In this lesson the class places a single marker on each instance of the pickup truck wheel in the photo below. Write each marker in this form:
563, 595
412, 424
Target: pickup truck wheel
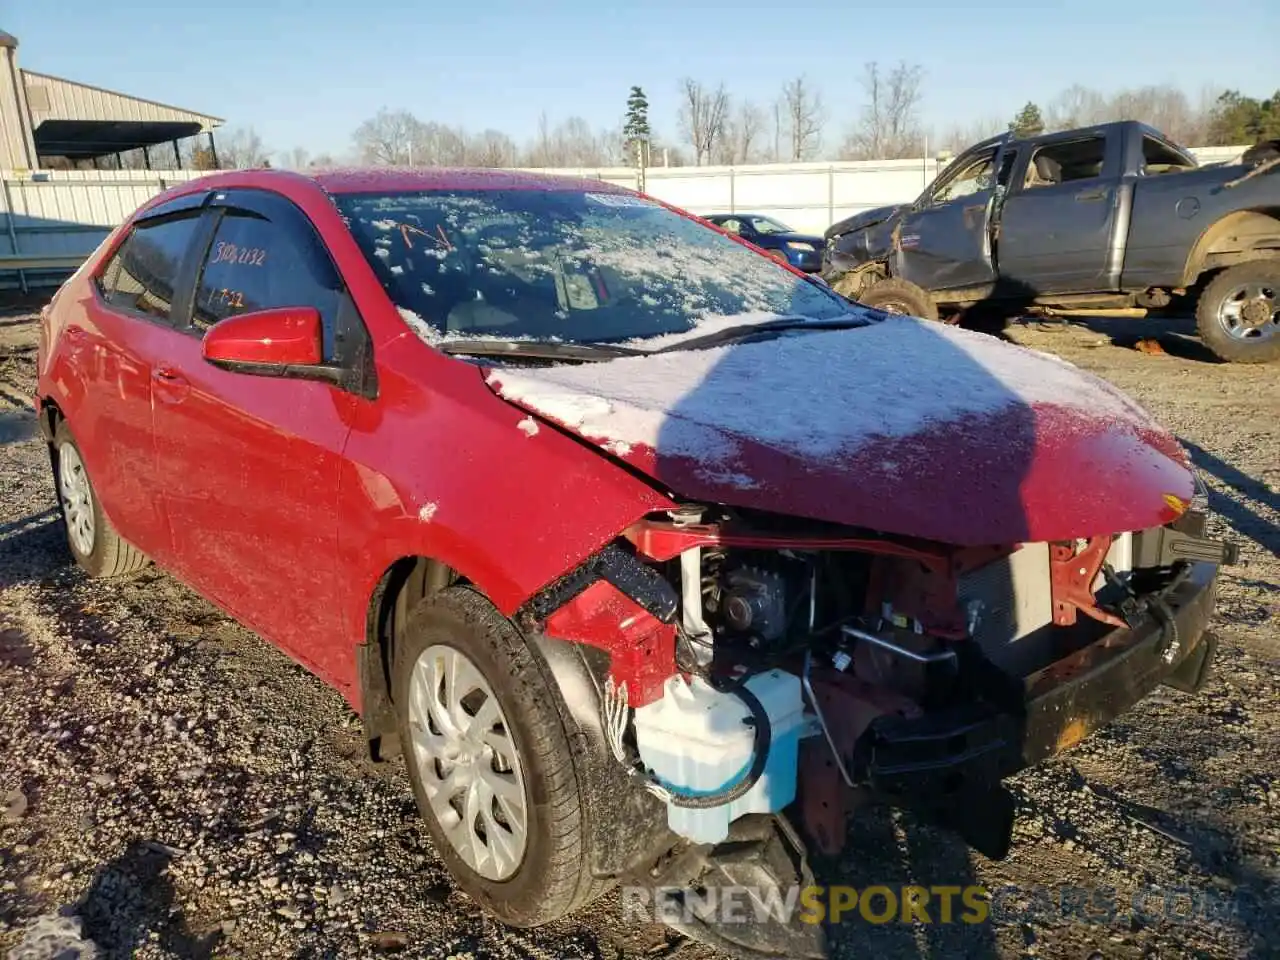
1238, 314
895, 295
480, 718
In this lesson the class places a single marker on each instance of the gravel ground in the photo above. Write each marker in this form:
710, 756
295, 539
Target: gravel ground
170, 786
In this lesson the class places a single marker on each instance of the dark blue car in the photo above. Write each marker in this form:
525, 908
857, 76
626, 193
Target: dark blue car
803, 251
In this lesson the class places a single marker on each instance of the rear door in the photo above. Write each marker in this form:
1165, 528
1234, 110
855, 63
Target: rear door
944, 241
115, 342
1058, 219
249, 465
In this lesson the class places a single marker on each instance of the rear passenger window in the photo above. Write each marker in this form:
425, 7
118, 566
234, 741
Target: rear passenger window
141, 274
1064, 162
255, 263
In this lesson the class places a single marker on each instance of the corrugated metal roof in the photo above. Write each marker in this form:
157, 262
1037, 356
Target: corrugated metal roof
56, 98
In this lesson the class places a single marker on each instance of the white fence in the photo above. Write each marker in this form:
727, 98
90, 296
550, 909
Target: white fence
67, 213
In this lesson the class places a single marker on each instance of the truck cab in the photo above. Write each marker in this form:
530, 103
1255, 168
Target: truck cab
1109, 216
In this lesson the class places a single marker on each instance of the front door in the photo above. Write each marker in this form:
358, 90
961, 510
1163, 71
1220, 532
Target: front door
1057, 222
249, 465
944, 242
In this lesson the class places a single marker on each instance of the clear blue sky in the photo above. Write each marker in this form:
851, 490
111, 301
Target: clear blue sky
306, 72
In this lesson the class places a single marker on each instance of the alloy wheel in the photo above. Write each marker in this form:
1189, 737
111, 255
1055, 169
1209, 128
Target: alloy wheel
77, 499
468, 761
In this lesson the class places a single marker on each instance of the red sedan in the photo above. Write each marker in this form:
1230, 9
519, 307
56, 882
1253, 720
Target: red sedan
628, 538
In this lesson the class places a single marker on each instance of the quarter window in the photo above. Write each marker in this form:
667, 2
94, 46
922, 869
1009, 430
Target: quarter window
141, 275
255, 263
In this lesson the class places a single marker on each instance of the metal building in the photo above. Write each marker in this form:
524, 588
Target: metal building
42, 117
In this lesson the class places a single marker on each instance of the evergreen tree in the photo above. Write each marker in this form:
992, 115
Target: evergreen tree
637, 122
1028, 122
635, 130
1239, 119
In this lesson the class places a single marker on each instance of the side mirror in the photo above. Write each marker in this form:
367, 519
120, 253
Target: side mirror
267, 342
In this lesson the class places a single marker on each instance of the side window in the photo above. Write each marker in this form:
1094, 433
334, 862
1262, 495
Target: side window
1159, 158
141, 274
732, 226
973, 177
255, 263
1064, 162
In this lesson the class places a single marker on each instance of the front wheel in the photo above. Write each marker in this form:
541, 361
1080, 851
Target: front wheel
479, 716
1238, 313
895, 295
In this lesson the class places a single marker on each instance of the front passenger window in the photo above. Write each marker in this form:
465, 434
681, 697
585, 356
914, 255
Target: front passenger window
255, 263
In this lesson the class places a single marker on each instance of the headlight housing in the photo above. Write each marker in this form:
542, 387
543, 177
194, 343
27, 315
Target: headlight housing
800, 245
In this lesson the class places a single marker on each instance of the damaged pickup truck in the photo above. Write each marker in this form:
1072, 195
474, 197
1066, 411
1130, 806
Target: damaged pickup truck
635, 544
1114, 216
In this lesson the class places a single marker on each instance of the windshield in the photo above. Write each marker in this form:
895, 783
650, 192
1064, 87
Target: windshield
765, 225
565, 265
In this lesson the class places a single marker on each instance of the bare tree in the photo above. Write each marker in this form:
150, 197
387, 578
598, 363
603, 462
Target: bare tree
387, 138
240, 149
959, 137
493, 148
743, 137
572, 143
889, 127
299, 158
1077, 106
703, 116
804, 116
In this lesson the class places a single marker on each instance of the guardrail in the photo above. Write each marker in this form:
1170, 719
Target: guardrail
41, 262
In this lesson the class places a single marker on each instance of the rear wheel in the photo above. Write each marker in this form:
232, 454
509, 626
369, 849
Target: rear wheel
96, 546
895, 295
1238, 313
489, 760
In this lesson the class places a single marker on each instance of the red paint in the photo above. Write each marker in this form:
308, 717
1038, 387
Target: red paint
282, 336
662, 540
1023, 475
642, 647
286, 500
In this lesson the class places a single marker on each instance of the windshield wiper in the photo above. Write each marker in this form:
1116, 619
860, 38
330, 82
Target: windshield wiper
747, 331
537, 349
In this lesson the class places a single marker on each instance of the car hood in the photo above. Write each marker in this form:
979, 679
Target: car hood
860, 221
904, 426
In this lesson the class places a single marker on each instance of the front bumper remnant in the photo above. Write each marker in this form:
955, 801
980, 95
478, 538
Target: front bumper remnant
933, 758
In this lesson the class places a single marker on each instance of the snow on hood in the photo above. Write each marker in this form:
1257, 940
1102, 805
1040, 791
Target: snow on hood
857, 426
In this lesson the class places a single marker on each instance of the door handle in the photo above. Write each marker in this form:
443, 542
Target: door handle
1091, 195
171, 386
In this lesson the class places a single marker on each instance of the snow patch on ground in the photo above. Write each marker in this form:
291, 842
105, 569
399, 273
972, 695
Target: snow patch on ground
811, 394
528, 426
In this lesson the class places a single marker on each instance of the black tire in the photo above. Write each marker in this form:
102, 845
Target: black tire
108, 555
553, 876
896, 295
1215, 328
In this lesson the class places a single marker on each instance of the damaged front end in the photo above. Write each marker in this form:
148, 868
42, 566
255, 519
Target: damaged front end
754, 679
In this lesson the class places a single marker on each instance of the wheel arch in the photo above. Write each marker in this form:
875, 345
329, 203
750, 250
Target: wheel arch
1234, 238
405, 583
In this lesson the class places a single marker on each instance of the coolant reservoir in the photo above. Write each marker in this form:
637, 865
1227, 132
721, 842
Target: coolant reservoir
696, 742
